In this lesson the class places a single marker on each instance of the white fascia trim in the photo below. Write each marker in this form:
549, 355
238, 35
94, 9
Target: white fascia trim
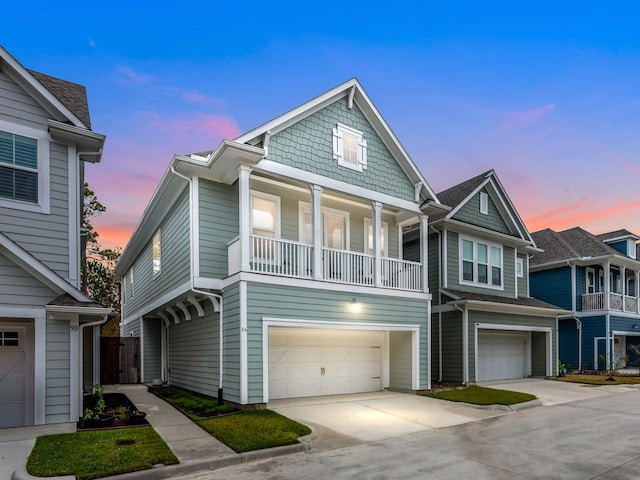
484, 306
295, 323
518, 328
159, 301
625, 333
244, 361
78, 309
269, 166
321, 285
208, 283
28, 79
39, 270
74, 365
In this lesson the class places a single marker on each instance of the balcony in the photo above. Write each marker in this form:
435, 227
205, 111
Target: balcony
285, 258
617, 301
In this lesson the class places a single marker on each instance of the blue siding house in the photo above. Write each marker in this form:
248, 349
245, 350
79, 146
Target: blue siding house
596, 278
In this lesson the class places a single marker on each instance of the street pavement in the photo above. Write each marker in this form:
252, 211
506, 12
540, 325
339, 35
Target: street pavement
594, 438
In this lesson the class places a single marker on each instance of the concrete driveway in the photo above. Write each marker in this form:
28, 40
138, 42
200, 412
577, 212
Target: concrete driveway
553, 392
343, 420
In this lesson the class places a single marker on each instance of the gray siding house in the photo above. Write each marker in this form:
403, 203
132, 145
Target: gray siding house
485, 325
273, 266
45, 321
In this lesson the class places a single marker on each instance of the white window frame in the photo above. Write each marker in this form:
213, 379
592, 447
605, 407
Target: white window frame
368, 224
520, 267
130, 284
338, 147
305, 207
19, 339
156, 264
44, 201
484, 203
490, 246
268, 197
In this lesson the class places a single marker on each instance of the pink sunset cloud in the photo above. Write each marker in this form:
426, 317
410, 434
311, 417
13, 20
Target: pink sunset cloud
193, 96
133, 76
515, 120
200, 129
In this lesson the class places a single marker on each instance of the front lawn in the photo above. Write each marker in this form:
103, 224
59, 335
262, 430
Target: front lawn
599, 379
255, 430
481, 396
96, 454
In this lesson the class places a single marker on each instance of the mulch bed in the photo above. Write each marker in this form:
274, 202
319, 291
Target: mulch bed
113, 402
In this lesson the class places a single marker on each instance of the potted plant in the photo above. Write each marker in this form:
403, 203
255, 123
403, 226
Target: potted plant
136, 417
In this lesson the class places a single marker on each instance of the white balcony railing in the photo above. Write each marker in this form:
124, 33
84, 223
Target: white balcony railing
617, 301
281, 257
275, 256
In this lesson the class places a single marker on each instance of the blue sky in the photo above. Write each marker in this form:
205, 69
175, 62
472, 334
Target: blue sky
546, 93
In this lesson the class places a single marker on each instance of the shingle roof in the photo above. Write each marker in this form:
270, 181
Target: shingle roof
616, 234
66, 300
72, 95
522, 301
453, 196
567, 245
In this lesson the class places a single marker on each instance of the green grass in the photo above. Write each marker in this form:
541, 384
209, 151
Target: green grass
599, 379
197, 407
482, 396
255, 430
96, 454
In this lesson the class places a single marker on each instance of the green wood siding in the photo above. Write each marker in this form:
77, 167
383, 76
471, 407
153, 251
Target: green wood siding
451, 346
219, 224
308, 145
323, 305
175, 261
131, 329
152, 348
523, 281
400, 366
470, 213
194, 352
57, 393
231, 380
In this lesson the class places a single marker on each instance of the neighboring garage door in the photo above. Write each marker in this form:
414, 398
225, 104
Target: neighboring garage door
501, 355
12, 377
305, 362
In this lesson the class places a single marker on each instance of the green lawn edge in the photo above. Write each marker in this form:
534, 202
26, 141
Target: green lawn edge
476, 395
191, 403
255, 430
95, 454
588, 379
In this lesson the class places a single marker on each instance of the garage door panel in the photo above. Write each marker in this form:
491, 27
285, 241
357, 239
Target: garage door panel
323, 362
501, 355
13, 379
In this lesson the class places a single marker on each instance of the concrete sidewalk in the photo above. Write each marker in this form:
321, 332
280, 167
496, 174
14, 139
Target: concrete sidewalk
196, 449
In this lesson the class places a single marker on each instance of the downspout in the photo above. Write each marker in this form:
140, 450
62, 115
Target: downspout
465, 345
210, 295
437, 232
81, 353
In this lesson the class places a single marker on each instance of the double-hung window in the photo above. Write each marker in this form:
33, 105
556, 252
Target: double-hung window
384, 237
156, 254
18, 167
481, 263
265, 227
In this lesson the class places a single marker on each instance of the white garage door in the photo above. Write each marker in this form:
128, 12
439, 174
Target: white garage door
305, 362
12, 378
501, 355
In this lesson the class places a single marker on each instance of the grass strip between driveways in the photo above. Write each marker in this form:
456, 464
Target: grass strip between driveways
99, 453
599, 379
195, 406
482, 396
255, 430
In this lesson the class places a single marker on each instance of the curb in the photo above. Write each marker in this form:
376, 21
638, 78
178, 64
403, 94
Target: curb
170, 471
506, 408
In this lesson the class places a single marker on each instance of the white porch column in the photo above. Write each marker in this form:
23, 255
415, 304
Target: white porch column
607, 287
316, 230
636, 287
623, 287
376, 227
424, 251
245, 217
75, 367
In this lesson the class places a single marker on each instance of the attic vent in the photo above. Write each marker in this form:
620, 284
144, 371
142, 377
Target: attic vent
484, 203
